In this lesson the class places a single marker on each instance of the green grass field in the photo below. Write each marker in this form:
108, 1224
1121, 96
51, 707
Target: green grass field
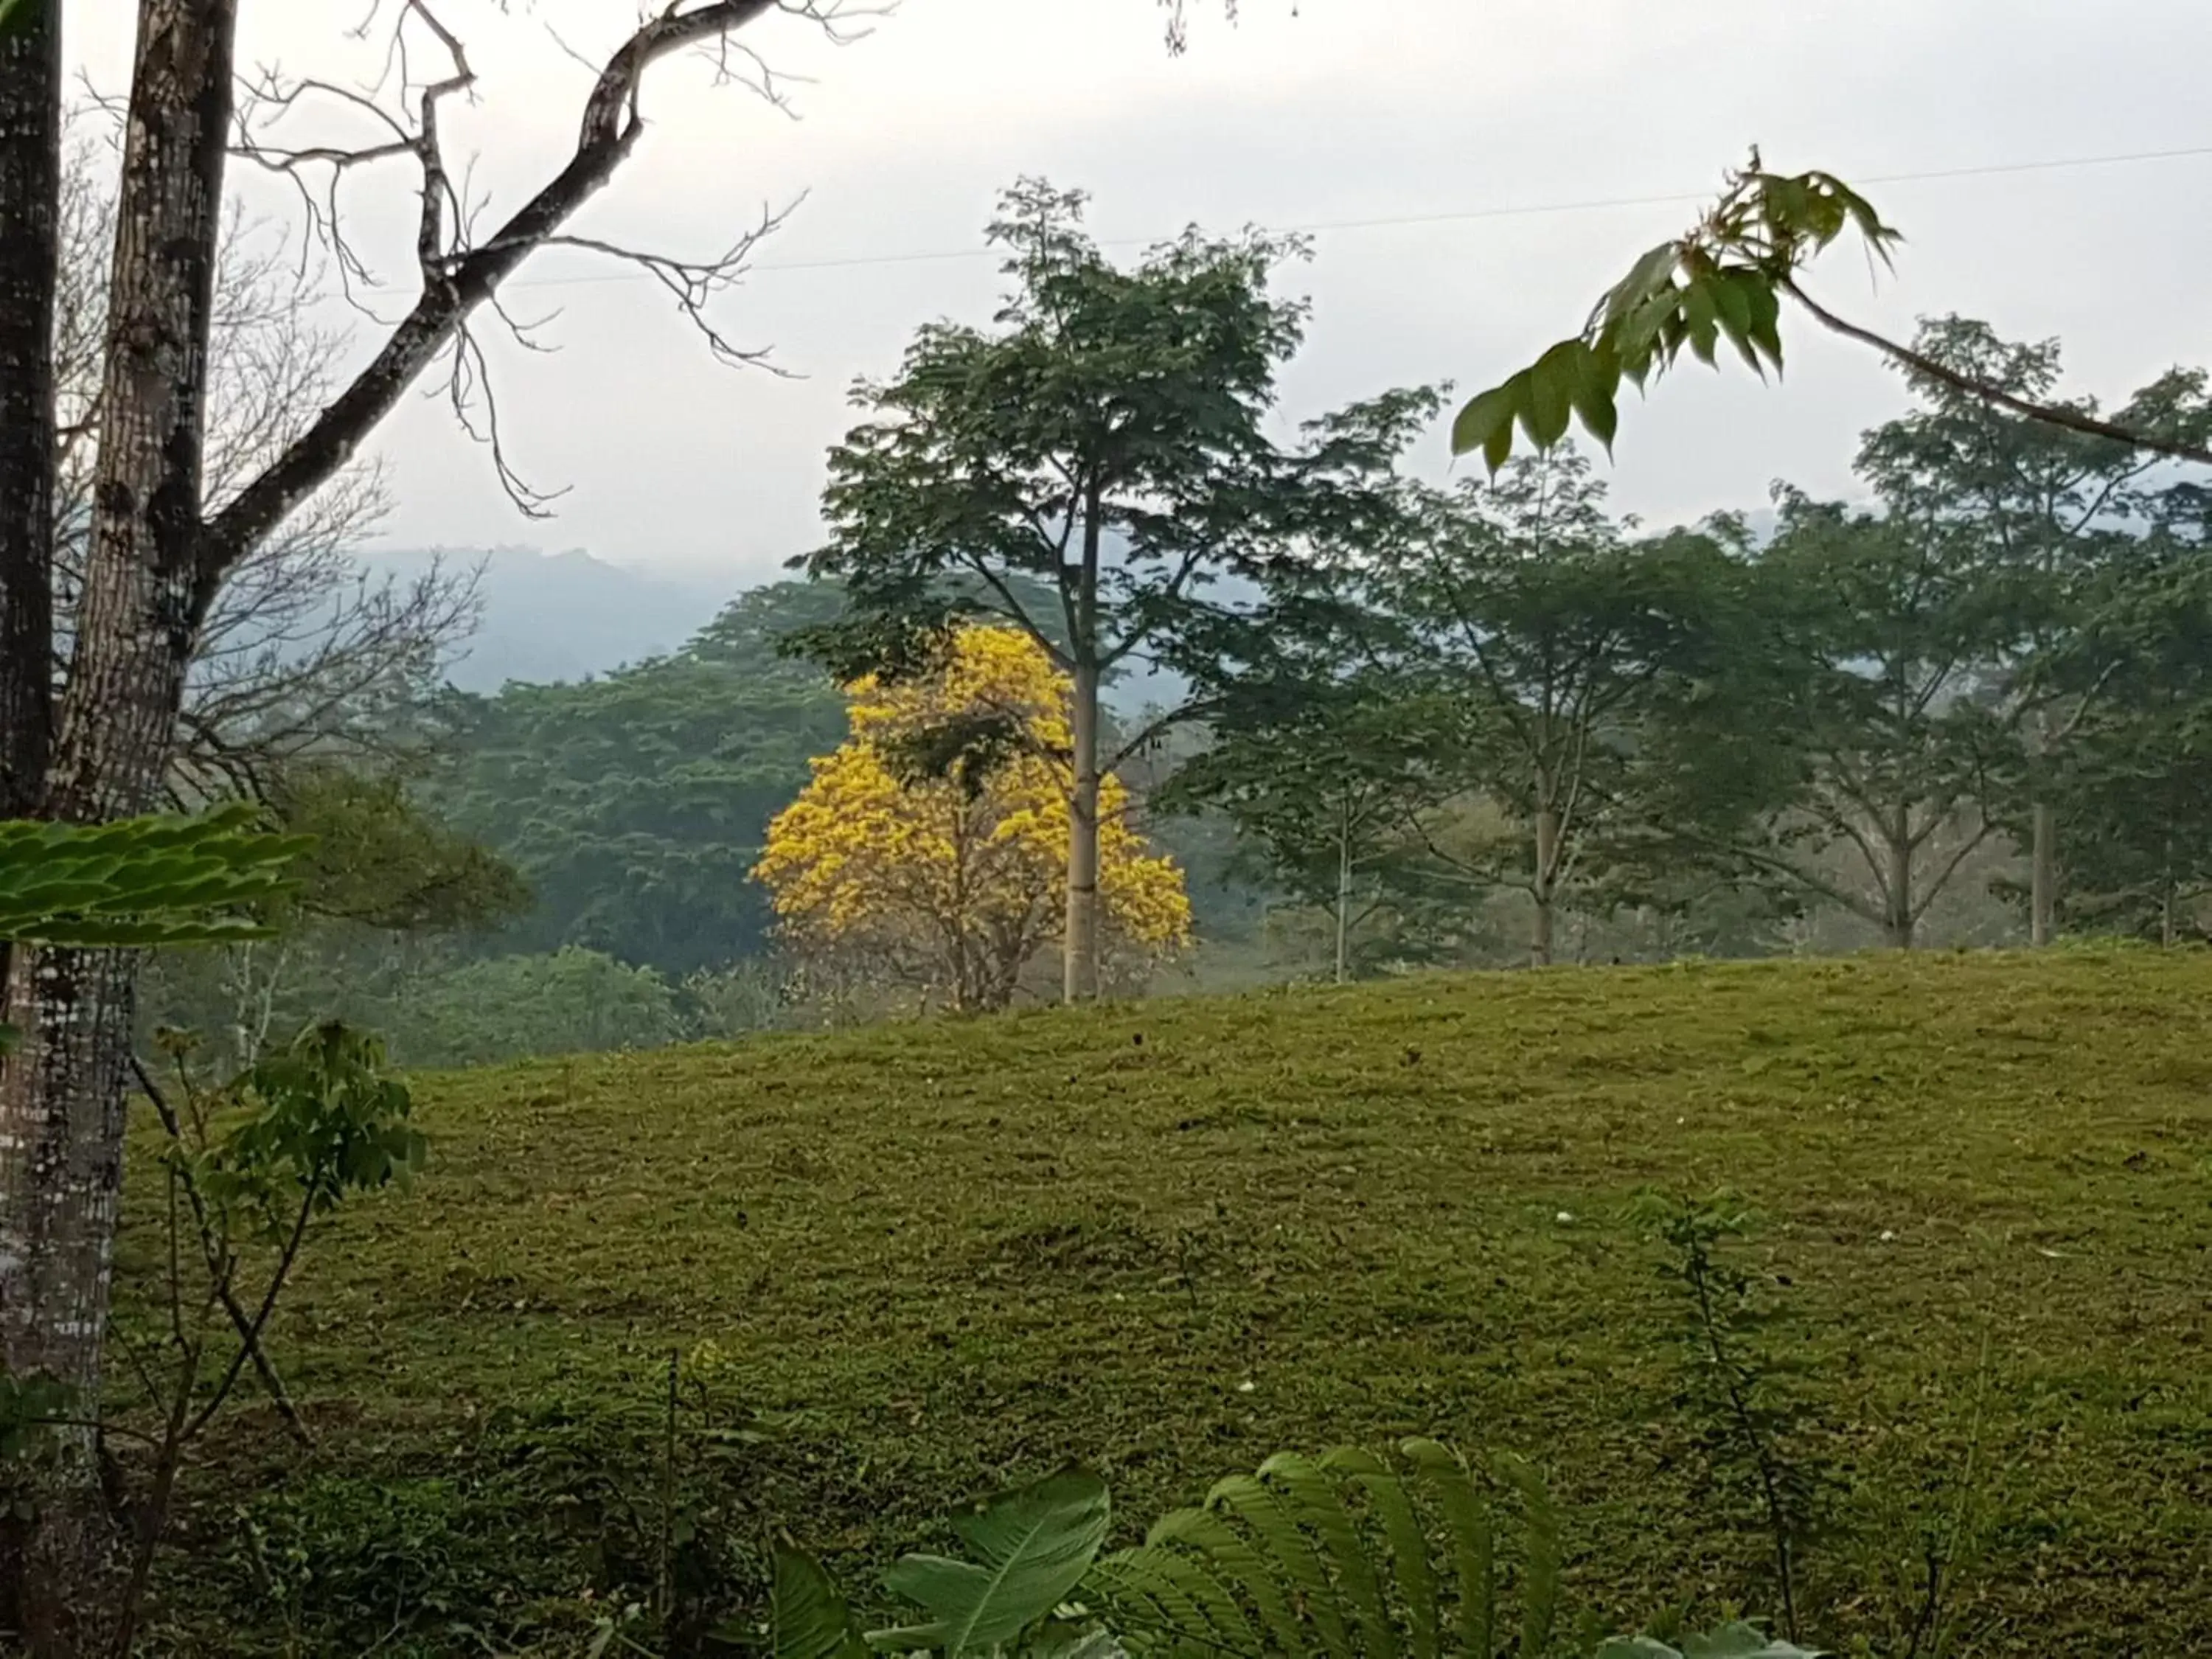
1168, 1239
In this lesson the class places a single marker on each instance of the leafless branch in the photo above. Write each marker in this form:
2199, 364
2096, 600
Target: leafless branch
2058, 414
458, 273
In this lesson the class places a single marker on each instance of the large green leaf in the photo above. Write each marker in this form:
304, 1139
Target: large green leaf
807, 1617
1334, 1557
143, 882
1482, 416
1031, 1547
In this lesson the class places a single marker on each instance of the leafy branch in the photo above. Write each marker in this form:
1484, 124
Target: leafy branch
1727, 278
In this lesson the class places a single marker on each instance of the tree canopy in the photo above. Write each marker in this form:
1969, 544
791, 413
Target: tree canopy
948, 881
1109, 442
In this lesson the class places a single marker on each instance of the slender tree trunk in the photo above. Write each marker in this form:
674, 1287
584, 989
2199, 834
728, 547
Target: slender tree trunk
1546, 885
2043, 878
1081, 959
1899, 923
1344, 898
2169, 918
61, 1105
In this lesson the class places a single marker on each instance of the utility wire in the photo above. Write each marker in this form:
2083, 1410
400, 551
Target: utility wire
1463, 215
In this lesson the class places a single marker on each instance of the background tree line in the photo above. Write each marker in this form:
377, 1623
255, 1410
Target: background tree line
1969, 706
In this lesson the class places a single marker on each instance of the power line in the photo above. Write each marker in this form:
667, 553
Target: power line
1462, 215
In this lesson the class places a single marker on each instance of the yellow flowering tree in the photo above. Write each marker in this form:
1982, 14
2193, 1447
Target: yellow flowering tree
948, 886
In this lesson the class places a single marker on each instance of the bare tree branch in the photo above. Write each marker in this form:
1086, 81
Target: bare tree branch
458, 275
2058, 415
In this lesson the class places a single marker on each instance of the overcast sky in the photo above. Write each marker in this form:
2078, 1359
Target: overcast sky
1308, 113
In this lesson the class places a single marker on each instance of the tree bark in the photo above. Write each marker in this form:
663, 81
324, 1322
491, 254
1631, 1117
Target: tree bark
1344, 898
1546, 886
30, 187
2043, 876
1547, 859
1081, 958
1899, 923
61, 1106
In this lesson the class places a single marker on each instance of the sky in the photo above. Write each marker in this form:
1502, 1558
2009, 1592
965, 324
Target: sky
1456, 147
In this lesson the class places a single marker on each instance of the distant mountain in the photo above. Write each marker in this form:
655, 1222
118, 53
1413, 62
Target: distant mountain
558, 617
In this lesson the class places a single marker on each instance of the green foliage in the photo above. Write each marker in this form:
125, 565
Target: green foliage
942, 1255
143, 882
1753, 1422
1724, 280
808, 1618
1097, 468
1323, 772
1030, 1549
634, 806
571, 1001
152, 881
380, 860
321, 1119
1334, 1556
2132, 786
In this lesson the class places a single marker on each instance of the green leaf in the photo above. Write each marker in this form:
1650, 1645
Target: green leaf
1733, 306
1701, 317
1409, 1551
1299, 1545
1032, 1547
1474, 1557
1482, 416
1499, 444
1652, 274
1319, 1507
1552, 382
807, 1617
150, 881
1539, 1592
1766, 326
1595, 397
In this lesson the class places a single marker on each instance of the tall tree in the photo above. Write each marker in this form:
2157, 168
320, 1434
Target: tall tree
1881, 631
1544, 638
160, 550
2133, 797
1326, 774
1107, 439
2053, 508
30, 234
302, 652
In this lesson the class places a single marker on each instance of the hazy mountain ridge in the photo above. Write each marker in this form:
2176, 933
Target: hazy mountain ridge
566, 616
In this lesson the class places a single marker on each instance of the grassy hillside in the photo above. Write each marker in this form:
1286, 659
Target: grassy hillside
1168, 1239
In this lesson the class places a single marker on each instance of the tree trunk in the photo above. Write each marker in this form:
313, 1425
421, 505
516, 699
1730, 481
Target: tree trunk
30, 185
2042, 879
1546, 886
1900, 921
61, 1179
1080, 956
1344, 899
61, 1105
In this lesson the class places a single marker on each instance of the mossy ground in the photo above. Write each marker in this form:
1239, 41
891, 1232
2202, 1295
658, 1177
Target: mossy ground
1167, 1239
